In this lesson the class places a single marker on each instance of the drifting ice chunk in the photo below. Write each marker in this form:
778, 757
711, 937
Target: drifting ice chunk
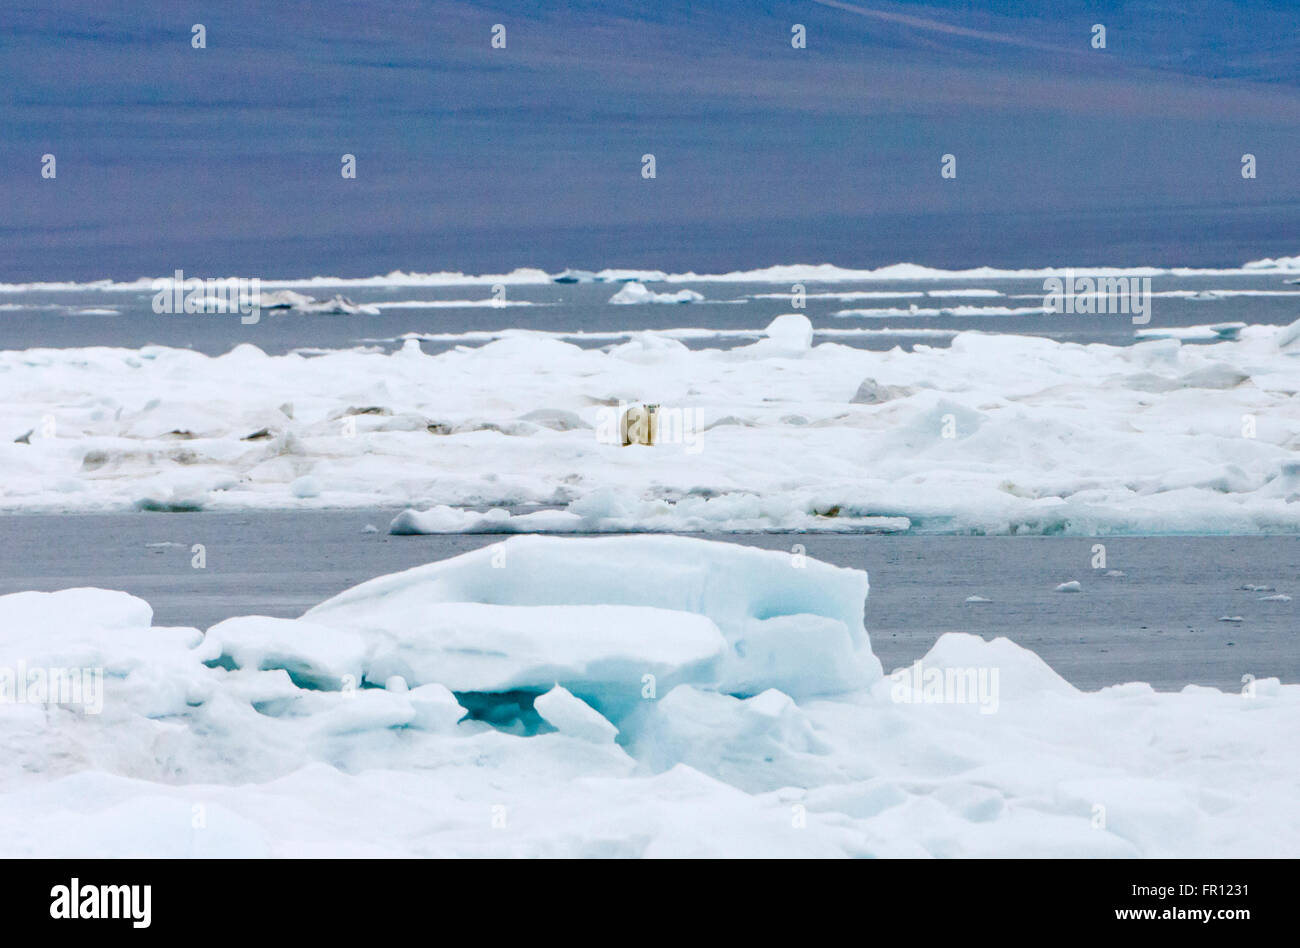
637, 293
574, 276
284, 299
1219, 332
335, 306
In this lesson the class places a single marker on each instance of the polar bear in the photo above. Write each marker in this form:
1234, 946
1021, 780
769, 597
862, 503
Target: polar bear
640, 424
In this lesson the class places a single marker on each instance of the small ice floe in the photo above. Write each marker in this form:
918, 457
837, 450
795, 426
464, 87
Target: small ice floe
339, 306
637, 293
1250, 587
977, 599
1280, 597
1114, 572
370, 528
283, 299
493, 301
1219, 332
165, 545
1073, 586
1231, 619
301, 303
575, 276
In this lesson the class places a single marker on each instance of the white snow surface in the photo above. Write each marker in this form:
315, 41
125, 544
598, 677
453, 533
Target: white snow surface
669, 697
634, 292
995, 434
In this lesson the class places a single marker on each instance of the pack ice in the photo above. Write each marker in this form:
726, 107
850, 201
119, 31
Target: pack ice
609, 696
993, 434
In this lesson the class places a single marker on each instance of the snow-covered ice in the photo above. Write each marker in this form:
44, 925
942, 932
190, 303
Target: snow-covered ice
337, 305
780, 273
613, 696
569, 714
994, 434
638, 293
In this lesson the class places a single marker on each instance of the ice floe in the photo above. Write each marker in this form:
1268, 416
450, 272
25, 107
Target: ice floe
337, 305
1219, 332
782, 273
992, 434
622, 696
914, 310
633, 292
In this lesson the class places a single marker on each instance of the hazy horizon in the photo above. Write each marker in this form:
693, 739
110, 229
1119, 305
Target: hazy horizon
227, 159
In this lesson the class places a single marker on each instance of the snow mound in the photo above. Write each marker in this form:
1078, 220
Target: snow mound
790, 331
